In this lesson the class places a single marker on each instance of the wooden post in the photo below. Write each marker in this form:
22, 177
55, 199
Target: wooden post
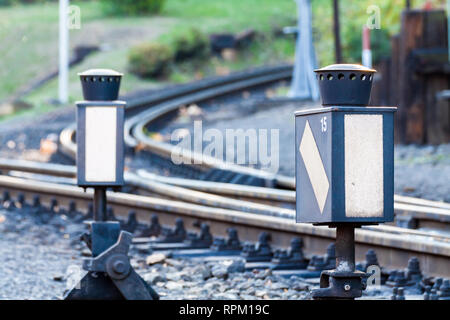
394, 85
381, 84
438, 115
393, 98
437, 120
408, 4
419, 30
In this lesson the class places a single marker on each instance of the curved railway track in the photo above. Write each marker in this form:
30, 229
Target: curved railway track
249, 209
145, 111
393, 245
265, 201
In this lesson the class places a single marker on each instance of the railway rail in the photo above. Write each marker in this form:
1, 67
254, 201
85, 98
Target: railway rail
249, 190
411, 212
249, 204
393, 245
258, 200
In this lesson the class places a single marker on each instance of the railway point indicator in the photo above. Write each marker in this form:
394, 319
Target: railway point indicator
344, 169
100, 158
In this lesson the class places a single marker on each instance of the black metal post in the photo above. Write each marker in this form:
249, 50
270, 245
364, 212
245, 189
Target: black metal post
344, 282
110, 275
337, 34
345, 247
100, 204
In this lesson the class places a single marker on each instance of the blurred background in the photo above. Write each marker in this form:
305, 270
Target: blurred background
160, 43
157, 42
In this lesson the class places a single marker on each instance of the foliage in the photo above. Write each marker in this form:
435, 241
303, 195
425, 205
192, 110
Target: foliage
29, 36
149, 59
266, 50
380, 46
132, 7
187, 43
353, 16
233, 15
4, 3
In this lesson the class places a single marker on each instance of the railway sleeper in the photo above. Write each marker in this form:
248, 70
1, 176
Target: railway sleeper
225, 176
406, 221
287, 263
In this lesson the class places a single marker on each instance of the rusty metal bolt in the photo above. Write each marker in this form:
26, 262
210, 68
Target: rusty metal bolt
119, 267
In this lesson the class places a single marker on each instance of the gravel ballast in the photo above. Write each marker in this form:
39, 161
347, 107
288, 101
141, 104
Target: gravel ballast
39, 258
41, 255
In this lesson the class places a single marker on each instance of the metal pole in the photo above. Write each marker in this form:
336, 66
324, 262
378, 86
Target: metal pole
448, 28
408, 4
100, 204
345, 247
63, 52
337, 35
304, 83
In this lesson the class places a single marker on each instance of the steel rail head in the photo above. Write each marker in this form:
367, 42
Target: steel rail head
184, 89
380, 235
387, 238
66, 142
38, 167
209, 199
213, 193
133, 126
137, 123
224, 188
191, 89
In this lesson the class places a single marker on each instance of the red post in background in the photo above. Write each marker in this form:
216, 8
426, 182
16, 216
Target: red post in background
366, 52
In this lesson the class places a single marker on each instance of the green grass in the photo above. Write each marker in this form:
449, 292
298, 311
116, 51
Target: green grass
233, 15
353, 16
261, 52
38, 53
116, 59
28, 48
29, 36
39, 25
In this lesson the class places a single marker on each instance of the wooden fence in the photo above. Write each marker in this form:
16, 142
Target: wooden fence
416, 78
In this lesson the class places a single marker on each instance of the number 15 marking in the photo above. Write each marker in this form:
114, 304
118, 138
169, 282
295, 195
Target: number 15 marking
323, 121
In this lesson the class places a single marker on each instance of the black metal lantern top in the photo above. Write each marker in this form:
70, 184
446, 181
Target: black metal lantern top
345, 84
100, 84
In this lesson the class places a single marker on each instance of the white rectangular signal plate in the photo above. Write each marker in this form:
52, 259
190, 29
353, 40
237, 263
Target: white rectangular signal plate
100, 143
364, 189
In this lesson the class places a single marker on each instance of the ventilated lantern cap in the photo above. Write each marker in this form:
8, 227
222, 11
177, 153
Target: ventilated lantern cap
100, 84
345, 84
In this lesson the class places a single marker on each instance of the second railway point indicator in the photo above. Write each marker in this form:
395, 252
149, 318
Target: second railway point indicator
100, 158
344, 169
